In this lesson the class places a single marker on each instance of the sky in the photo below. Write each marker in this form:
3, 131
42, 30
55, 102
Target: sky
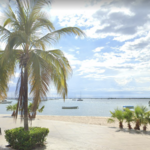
113, 60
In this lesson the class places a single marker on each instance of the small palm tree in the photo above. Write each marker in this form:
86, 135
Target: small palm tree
12, 108
33, 114
118, 114
128, 116
145, 117
138, 116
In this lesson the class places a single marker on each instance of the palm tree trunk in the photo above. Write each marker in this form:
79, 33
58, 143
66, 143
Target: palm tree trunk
144, 128
13, 114
120, 125
137, 126
26, 100
129, 126
18, 3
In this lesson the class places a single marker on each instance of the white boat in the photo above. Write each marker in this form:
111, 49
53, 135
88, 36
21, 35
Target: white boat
5, 102
129, 107
73, 99
79, 99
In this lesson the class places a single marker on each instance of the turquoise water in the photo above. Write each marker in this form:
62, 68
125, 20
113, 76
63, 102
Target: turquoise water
87, 107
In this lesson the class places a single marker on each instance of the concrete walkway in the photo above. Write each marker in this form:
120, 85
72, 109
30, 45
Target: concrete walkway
76, 136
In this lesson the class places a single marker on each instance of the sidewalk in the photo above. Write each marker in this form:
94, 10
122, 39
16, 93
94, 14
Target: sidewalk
76, 136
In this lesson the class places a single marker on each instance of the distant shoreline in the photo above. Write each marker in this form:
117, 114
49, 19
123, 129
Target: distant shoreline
85, 98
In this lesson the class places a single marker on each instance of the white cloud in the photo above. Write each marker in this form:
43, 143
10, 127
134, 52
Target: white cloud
73, 67
90, 66
77, 52
77, 47
17, 74
72, 59
98, 49
123, 81
143, 79
120, 19
130, 62
12, 83
71, 50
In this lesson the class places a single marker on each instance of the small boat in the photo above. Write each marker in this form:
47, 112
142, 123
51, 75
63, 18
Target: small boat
129, 107
73, 99
70, 107
5, 102
79, 99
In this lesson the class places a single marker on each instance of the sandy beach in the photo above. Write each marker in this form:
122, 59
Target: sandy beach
86, 120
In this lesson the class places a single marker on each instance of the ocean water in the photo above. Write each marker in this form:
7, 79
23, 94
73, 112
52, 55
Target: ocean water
87, 107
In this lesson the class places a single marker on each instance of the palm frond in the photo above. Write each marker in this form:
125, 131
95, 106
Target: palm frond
7, 67
4, 34
110, 120
39, 4
53, 37
12, 19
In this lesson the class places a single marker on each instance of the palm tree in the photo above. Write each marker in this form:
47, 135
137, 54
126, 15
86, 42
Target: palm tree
128, 116
145, 117
138, 113
31, 114
117, 114
23, 32
12, 108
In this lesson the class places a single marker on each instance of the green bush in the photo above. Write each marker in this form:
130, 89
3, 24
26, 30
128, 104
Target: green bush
26, 140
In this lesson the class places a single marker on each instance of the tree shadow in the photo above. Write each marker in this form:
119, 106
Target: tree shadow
112, 127
5, 148
41, 148
7, 116
132, 131
37, 148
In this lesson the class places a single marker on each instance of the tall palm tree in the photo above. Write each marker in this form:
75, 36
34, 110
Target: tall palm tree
23, 32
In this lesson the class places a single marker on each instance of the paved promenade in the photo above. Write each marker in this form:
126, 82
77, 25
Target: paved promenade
77, 136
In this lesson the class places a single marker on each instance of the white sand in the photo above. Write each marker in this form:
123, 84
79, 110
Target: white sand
87, 120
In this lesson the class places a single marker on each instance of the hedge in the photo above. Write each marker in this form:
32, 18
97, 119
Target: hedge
26, 140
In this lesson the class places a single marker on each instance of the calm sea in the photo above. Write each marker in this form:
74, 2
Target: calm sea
87, 107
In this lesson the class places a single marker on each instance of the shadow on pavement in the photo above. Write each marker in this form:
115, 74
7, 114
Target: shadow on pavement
41, 148
37, 148
132, 131
6, 116
6, 148
112, 127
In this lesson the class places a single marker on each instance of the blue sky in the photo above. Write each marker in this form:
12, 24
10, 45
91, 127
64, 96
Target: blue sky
114, 58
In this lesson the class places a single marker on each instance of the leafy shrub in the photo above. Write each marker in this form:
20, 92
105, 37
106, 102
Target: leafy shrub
26, 140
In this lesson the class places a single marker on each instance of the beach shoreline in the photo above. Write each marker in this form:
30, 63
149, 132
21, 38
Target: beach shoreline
91, 120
